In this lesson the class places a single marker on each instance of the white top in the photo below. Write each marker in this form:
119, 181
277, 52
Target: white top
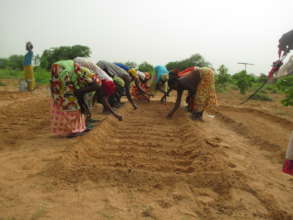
90, 64
285, 69
141, 75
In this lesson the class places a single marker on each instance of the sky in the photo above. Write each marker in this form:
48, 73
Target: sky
157, 31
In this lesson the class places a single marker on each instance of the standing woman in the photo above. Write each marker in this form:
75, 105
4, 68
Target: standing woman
28, 68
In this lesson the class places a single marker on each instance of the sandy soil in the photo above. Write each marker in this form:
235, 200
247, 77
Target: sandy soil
146, 167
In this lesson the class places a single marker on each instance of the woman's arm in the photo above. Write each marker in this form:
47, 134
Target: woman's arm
108, 106
127, 88
164, 98
178, 102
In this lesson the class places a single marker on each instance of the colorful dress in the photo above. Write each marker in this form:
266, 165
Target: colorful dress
108, 86
206, 97
144, 85
114, 70
66, 115
84, 78
28, 70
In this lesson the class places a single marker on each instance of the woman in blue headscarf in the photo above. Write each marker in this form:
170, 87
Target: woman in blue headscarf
160, 80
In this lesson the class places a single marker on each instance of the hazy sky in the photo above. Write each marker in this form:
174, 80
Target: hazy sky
157, 31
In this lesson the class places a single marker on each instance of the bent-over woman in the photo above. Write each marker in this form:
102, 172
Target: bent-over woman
200, 84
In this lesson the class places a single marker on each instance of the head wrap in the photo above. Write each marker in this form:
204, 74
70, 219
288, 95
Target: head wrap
119, 81
29, 46
133, 72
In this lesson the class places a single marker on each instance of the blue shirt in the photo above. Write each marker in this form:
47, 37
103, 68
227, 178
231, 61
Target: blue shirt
160, 70
122, 66
28, 58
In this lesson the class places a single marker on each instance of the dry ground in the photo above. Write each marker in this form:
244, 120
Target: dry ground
145, 167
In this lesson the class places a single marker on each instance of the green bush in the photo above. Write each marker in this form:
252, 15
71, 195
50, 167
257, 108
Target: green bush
42, 76
223, 78
10, 74
243, 81
285, 84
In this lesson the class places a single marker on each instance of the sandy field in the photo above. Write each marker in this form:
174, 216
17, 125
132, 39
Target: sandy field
145, 167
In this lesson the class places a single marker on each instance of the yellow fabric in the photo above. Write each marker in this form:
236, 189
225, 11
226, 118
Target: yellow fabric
153, 83
29, 76
165, 77
206, 97
133, 73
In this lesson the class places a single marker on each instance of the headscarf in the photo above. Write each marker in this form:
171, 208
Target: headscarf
119, 81
133, 72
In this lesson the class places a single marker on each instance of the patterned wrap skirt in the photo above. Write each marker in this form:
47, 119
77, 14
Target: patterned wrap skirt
64, 123
206, 97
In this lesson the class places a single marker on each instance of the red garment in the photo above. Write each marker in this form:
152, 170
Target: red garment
134, 91
186, 71
288, 167
108, 87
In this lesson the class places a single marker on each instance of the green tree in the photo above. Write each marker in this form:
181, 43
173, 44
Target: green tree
146, 67
194, 60
131, 64
15, 62
285, 85
262, 78
223, 78
52, 55
243, 81
3, 63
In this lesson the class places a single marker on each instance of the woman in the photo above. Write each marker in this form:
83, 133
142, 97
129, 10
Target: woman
288, 164
69, 85
200, 84
108, 86
135, 75
160, 80
67, 119
135, 92
28, 68
114, 70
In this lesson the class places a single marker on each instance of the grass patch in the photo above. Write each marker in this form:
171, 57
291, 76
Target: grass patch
2, 84
10, 74
42, 76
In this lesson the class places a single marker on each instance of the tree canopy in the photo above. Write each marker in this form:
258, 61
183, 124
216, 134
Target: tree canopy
52, 55
194, 60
